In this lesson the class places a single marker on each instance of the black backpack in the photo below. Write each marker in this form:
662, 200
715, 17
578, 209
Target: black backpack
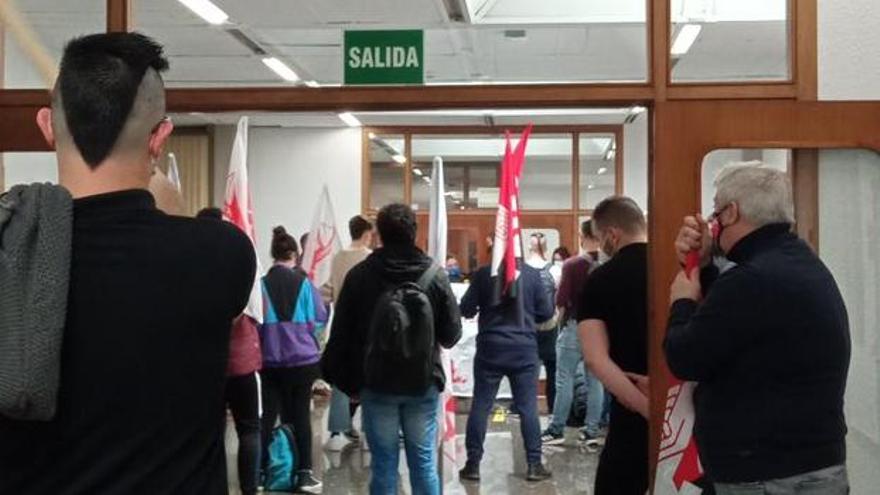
401, 343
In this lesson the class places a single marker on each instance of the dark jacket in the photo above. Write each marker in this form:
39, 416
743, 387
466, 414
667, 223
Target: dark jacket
293, 316
501, 334
36, 227
343, 360
770, 348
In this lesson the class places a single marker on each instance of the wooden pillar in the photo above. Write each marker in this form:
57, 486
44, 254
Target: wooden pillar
119, 16
805, 185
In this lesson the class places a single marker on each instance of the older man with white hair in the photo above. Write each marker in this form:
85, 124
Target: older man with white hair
767, 340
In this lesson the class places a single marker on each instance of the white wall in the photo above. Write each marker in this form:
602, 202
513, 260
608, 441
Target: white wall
849, 68
635, 160
26, 168
287, 168
849, 211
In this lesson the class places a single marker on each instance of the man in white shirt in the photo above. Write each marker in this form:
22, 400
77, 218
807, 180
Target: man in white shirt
342, 409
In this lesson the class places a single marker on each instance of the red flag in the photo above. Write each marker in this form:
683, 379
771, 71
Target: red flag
507, 247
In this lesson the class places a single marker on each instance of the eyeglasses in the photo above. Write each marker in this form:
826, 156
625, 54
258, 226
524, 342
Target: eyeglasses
159, 124
717, 213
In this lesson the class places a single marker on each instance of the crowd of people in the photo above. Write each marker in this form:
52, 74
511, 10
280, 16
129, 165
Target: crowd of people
127, 331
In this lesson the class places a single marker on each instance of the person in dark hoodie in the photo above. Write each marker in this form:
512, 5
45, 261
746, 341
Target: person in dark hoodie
768, 341
394, 403
507, 345
293, 316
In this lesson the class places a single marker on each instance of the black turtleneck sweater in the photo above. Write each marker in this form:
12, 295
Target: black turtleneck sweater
140, 407
770, 348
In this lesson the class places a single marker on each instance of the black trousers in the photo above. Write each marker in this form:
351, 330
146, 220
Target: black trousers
287, 392
243, 399
623, 465
550, 384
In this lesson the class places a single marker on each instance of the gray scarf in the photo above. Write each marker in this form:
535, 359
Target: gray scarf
36, 229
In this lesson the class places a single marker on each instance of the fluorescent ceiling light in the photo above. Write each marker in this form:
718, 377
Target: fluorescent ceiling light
350, 119
281, 69
417, 171
427, 179
399, 158
602, 170
206, 9
312, 84
591, 186
685, 39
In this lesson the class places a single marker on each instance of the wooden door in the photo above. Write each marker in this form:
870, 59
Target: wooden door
685, 131
469, 233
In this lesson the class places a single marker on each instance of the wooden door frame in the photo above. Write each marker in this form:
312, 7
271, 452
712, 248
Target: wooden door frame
684, 132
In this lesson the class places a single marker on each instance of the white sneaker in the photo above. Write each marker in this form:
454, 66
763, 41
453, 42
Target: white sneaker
336, 443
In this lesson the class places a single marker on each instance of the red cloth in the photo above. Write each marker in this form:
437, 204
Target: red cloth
244, 348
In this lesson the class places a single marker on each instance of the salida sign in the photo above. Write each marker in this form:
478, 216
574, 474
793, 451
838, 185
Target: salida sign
384, 57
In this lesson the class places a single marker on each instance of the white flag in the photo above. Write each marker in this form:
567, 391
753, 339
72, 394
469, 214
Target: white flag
238, 209
437, 236
323, 242
437, 221
173, 172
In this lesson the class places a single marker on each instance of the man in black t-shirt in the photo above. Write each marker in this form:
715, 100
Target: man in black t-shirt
140, 408
612, 318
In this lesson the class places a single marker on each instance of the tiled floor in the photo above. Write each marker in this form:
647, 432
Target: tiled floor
348, 472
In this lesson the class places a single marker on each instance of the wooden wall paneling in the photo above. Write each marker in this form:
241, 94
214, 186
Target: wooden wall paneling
805, 186
684, 132
19, 131
356, 98
192, 148
119, 18
658, 12
806, 65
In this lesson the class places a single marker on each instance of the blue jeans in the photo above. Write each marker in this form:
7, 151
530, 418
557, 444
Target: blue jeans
524, 385
829, 481
568, 360
385, 416
339, 419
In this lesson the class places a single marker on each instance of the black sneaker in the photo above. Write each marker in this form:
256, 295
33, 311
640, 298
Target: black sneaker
470, 472
593, 443
307, 483
353, 435
537, 472
552, 438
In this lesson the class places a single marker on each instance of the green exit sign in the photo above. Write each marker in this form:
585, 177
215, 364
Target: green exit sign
384, 57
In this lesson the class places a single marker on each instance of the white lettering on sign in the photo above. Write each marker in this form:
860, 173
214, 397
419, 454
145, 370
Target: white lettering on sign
388, 57
354, 57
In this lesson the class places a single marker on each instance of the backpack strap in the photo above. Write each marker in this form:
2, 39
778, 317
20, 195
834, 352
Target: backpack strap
428, 277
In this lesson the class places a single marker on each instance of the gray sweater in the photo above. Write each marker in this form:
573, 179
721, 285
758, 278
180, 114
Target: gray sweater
36, 225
